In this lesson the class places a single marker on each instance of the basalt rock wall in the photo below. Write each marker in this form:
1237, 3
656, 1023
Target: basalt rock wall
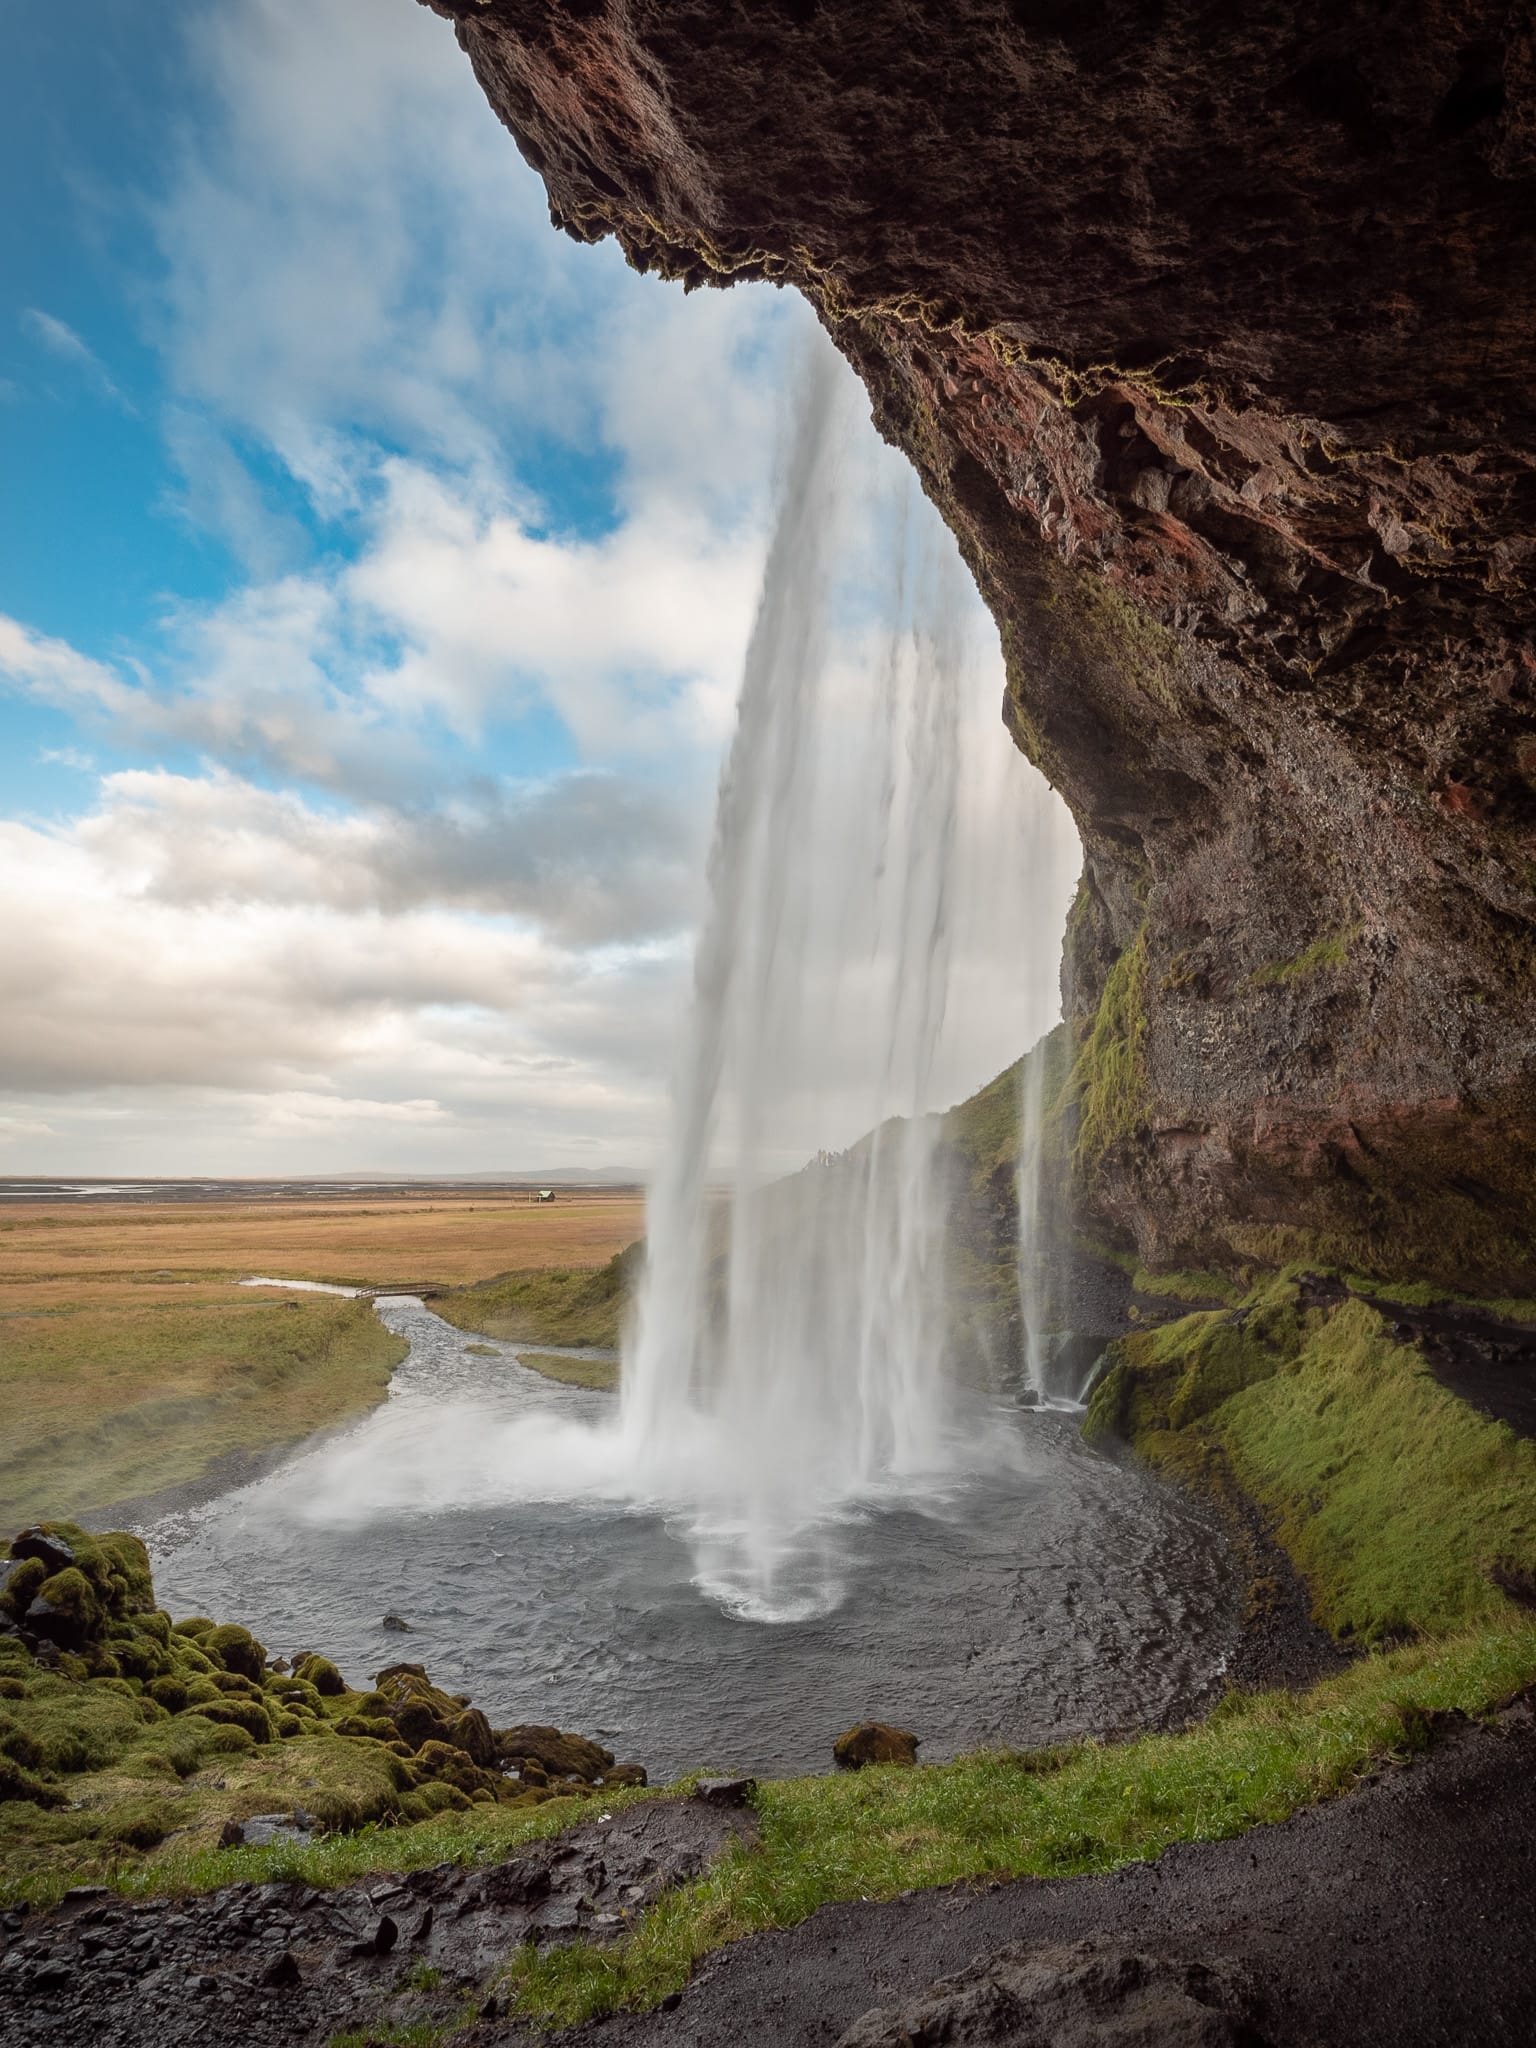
1210, 331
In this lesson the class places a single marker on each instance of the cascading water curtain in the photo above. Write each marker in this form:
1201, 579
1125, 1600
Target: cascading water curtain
789, 1348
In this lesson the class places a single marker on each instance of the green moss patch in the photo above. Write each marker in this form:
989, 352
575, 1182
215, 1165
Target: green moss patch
1394, 1498
1109, 1079
1331, 951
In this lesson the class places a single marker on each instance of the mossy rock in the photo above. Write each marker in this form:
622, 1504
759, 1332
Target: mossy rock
23, 1584
557, 1754
367, 1727
237, 1650
449, 1766
235, 1712
322, 1674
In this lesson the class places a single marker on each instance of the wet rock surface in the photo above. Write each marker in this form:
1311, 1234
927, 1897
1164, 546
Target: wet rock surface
1086, 1994
285, 1963
1396, 1917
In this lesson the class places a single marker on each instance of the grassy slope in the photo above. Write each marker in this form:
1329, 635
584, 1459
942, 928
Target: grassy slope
560, 1305
1395, 1498
103, 1404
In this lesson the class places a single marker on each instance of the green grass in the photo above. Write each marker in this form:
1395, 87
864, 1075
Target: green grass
880, 1832
598, 1373
1329, 951
1394, 1498
551, 1305
1423, 1294
105, 1406
1177, 1286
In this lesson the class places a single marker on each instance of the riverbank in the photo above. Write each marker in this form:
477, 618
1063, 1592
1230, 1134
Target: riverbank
137, 1373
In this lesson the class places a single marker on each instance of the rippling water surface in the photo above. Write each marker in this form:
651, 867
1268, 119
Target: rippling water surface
1070, 1595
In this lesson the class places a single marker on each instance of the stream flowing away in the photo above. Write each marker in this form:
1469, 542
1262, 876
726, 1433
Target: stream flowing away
805, 1507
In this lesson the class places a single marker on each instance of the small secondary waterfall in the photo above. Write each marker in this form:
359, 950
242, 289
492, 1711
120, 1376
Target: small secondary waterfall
798, 1325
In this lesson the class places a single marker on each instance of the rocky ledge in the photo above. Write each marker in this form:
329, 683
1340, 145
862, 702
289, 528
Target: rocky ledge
1209, 333
283, 1963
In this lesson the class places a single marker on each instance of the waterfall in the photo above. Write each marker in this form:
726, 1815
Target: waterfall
798, 1324
1033, 1281
886, 890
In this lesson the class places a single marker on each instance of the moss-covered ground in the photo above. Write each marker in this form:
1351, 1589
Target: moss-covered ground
127, 1743
104, 1403
554, 1305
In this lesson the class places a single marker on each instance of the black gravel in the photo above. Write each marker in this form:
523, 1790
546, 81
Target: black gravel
275, 1964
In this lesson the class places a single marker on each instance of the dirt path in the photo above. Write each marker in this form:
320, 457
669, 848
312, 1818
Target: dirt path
1400, 1917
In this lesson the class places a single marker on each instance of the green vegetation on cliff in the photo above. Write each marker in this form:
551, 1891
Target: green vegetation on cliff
1401, 1506
1109, 1079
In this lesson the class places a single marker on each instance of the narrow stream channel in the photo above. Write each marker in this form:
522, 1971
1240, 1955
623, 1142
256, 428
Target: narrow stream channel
1072, 1595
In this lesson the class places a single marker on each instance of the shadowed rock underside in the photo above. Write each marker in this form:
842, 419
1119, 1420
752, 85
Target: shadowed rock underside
1209, 332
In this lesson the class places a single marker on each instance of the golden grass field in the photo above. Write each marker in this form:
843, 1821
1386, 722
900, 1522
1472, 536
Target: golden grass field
130, 1358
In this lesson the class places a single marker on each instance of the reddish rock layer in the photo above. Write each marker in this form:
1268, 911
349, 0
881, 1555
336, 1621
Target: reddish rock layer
1209, 329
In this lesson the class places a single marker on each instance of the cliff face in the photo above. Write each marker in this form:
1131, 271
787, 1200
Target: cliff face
1210, 331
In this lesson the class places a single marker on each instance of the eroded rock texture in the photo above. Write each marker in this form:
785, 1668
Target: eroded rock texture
1210, 331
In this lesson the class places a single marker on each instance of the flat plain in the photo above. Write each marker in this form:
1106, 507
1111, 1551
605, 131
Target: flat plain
131, 1360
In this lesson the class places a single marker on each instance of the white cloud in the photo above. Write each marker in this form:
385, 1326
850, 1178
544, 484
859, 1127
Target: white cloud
61, 340
481, 484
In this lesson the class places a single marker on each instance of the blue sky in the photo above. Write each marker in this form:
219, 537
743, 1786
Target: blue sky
375, 571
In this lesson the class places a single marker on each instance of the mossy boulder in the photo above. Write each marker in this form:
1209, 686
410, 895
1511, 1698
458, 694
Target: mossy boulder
555, 1753
237, 1650
874, 1742
421, 1711
446, 1765
322, 1675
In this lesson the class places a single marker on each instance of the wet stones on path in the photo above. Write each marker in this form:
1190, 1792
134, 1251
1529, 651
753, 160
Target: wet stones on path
284, 1963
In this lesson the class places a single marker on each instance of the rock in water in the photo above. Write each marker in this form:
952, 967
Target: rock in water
874, 1742
396, 1625
1085, 1995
